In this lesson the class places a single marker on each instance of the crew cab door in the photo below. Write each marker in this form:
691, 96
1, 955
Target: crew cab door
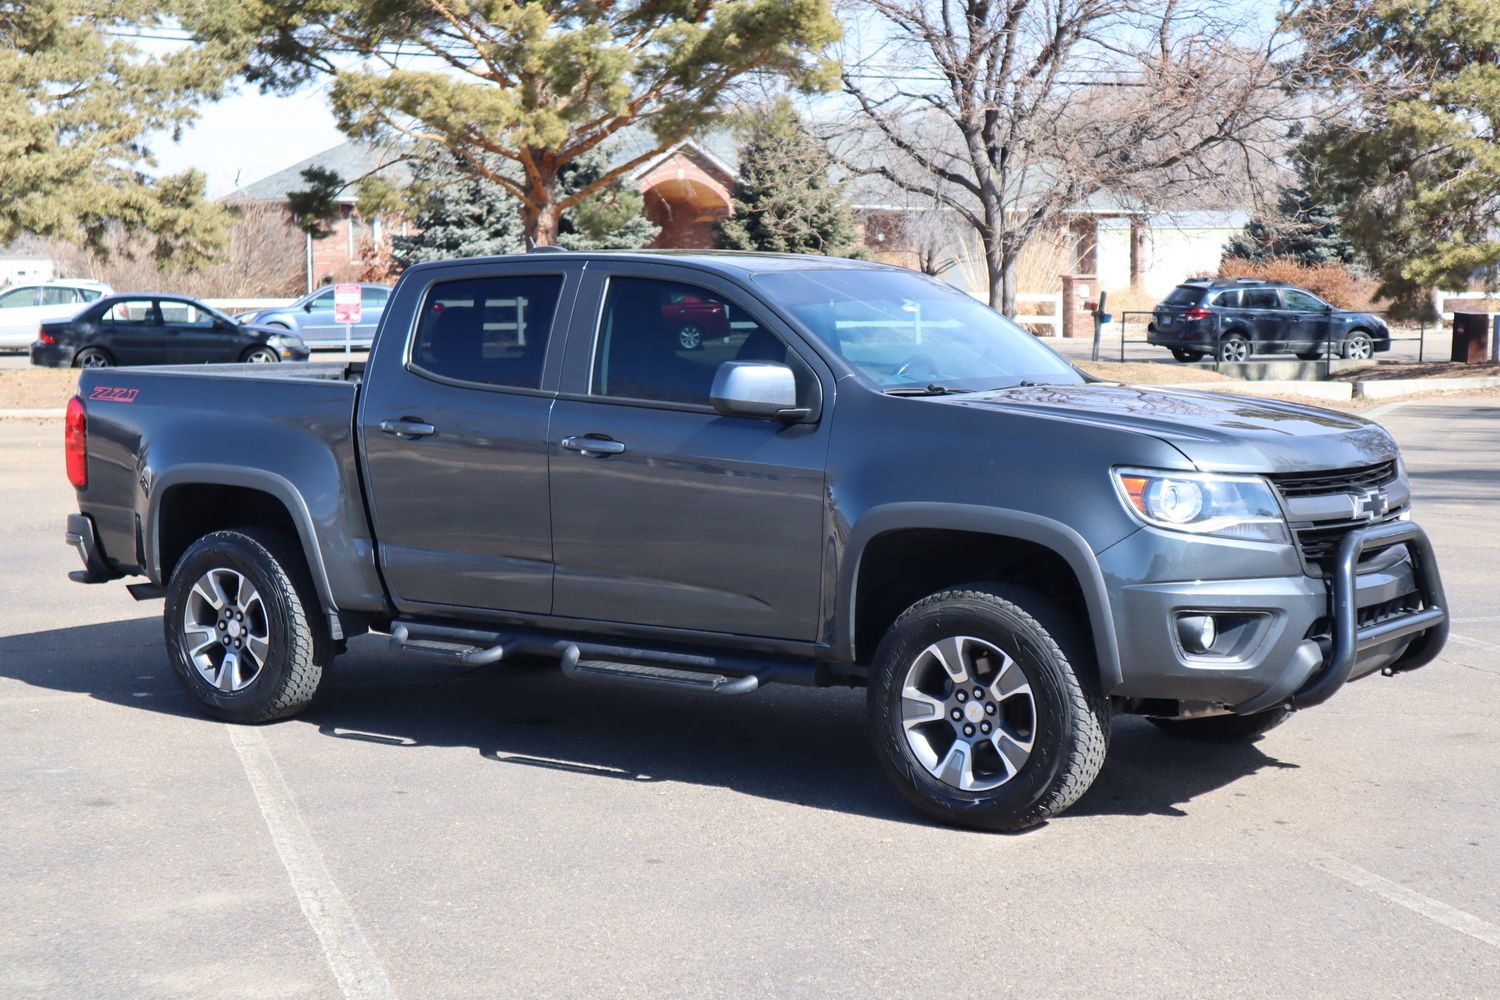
664, 512
454, 431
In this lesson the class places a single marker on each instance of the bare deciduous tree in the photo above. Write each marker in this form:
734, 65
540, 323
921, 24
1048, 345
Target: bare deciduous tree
1013, 112
263, 256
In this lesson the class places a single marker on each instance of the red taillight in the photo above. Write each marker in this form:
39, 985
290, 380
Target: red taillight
44, 337
1197, 312
76, 444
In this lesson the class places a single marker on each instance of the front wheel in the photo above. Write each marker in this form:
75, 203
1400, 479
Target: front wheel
983, 711
1359, 348
1225, 728
260, 356
242, 626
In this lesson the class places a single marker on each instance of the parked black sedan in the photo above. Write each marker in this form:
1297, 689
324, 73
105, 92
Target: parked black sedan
152, 329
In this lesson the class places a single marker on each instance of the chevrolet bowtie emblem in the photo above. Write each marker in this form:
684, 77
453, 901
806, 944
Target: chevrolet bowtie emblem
1370, 505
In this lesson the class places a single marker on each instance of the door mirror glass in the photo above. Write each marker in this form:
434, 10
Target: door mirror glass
764, 389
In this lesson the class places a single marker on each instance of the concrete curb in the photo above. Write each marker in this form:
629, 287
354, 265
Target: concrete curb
32, 414
1387, 388
1311, 390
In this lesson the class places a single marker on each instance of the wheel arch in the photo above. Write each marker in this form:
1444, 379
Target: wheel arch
1032, 549
196, 499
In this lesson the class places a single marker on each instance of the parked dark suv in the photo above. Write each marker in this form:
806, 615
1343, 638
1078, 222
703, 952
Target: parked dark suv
1235, 319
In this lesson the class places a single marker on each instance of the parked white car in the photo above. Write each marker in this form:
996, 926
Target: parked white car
23, 307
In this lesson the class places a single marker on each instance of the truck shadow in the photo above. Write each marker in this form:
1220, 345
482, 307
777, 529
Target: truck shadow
807, 747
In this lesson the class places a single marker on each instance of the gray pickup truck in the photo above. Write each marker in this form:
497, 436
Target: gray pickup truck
850, 474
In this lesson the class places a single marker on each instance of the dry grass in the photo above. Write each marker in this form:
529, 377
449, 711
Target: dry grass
1145, 373
1430, 370
37, 388
1333, 282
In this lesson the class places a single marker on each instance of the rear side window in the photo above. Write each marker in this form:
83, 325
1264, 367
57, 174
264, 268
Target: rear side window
1261, 298
488, 330
373, 298
1228, 300
90, 294
130, 311
1184, 295
58, 295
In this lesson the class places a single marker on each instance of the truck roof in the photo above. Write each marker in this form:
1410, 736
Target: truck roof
729, 261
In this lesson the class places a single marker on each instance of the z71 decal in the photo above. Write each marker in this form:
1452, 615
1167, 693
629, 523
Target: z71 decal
110, 394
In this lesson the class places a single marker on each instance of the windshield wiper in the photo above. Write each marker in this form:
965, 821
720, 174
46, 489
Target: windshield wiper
933, 389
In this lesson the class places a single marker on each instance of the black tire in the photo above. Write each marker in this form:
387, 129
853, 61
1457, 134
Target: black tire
1311, 355
1070, 718
1234, 349
1185, 355
93, 357
1225, 728
1359, 347
299, 645
260, 355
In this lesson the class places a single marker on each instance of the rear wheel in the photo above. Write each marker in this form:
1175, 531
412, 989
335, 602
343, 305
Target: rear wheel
984, 712
1358, 347
93, 357
1185, 355
1225, 728
243, 628
260, 356
1234, 349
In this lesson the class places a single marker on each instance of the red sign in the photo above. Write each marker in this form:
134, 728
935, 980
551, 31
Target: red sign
346, 303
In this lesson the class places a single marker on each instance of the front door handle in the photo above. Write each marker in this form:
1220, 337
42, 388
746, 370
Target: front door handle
408, 427
599, 447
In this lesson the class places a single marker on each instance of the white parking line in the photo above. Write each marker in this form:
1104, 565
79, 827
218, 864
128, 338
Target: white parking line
350, 957
1432, 909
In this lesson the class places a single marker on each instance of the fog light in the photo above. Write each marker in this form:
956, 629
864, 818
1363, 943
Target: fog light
1197, 633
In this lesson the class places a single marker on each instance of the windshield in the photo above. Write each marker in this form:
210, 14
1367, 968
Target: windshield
907, 330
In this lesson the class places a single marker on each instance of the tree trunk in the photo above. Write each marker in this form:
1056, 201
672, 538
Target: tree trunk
540, 215
1009, 282
994, 269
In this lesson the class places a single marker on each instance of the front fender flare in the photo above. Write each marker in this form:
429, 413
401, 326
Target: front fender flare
1051, 534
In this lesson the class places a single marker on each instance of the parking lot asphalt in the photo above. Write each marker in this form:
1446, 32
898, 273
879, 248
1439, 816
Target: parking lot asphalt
429, 832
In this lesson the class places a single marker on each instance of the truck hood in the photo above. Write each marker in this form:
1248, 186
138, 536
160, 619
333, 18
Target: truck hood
1216, 431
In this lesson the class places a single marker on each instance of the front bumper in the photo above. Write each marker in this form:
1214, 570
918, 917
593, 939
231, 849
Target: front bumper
1301, 638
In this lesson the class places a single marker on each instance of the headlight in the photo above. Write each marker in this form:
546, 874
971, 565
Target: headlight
1203, 503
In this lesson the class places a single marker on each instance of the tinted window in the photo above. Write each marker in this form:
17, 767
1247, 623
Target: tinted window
53, 295
1297, 299
663, 340
489, 330
180, 313
1261, 298
1228, 300
89, 294
130, 311
18, 297
1184, 295
373, 298
905, 330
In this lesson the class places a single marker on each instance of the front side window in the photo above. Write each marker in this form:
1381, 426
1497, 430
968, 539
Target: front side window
16, 298
488, 330
907, 331
323, 300
180, 313
664, 341
130, 311
1261, 298
1297, 299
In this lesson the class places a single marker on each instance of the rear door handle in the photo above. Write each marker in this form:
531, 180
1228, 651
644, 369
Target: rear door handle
599, 447
408, 427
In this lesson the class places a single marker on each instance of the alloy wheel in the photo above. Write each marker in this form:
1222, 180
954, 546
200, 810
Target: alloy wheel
1234, 350
690, 336
225, 630
968, 713
261, 356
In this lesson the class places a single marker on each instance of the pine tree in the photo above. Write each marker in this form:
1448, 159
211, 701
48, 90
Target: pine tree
77, 102
1303, 228
784, 198
460, 212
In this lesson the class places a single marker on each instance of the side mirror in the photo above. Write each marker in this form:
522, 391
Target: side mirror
307, 306
764, 389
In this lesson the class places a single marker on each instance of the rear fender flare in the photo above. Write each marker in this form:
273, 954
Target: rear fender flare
254, 479
1054, 535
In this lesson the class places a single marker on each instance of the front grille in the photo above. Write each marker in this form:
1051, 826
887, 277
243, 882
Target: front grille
1312, 484
1397, 607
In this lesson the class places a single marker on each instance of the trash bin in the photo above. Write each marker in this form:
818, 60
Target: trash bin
1471, 338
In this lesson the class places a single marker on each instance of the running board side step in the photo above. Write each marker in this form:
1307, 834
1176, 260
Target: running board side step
437, 650
718, 674
646, 675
